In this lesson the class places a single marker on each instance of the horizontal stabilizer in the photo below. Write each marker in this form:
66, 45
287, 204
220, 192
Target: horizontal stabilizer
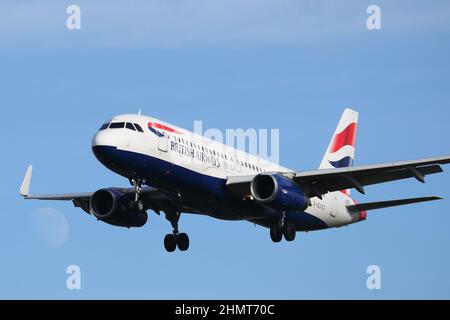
388, 204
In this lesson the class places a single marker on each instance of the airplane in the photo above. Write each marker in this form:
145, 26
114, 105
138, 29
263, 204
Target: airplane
173, 170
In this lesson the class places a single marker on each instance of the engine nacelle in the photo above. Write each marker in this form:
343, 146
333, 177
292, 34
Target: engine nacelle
116, 208
278, 192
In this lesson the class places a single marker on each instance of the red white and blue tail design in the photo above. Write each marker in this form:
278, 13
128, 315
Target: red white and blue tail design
341, 151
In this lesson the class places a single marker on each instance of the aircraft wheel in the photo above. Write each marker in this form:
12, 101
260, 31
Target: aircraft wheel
170, 242
140, 205
183, 241
275, 233
289, 232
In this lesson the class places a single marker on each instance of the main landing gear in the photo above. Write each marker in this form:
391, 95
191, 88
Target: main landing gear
280, 229
176, 239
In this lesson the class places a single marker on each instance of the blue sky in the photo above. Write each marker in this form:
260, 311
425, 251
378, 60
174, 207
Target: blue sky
292, 65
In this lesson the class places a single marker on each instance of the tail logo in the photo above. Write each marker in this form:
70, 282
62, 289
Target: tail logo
347, 137
343, 163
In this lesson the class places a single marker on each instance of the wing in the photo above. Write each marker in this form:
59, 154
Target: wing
319, 182
25, 191
153, 198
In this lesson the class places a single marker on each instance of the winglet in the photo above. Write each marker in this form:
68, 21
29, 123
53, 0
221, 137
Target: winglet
25, 188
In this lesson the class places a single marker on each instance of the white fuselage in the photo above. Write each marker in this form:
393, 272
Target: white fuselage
201, 155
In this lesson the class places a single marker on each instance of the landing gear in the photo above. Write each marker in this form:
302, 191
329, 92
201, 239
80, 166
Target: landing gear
170, 242
176, 239
275, 233
280, 229
182, 241
138, 204
289, 232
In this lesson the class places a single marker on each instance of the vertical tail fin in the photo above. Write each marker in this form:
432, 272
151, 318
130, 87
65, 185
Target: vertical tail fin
341, 151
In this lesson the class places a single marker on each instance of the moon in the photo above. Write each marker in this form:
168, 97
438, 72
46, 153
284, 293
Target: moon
51, 226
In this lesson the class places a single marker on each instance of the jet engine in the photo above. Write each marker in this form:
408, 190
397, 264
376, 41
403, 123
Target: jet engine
277, 192
114, 207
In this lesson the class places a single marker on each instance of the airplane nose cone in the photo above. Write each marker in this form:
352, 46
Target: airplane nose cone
102, 144
96, 140
106, 147
104, 154
102, 138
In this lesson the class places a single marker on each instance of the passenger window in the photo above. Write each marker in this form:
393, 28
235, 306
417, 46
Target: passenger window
117, 125
138, 127
130, 126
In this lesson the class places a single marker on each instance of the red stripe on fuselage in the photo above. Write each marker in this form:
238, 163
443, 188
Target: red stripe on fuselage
345, 138
163, 127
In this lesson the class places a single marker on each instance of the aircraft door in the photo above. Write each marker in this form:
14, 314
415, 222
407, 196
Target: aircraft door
334, 206
163, 143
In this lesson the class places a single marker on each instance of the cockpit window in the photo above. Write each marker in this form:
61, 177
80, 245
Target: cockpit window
130, 126
105, 126
138, 127
117, 125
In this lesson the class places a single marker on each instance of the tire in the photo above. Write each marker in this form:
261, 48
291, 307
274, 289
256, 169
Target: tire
140, 205
289, 232
183, 241
170, 242
276, 234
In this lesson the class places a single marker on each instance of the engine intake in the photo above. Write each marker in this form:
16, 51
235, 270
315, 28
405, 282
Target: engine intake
278, 192
114, 207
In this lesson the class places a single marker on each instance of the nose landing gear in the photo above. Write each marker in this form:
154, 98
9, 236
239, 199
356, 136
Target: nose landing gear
138, 204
